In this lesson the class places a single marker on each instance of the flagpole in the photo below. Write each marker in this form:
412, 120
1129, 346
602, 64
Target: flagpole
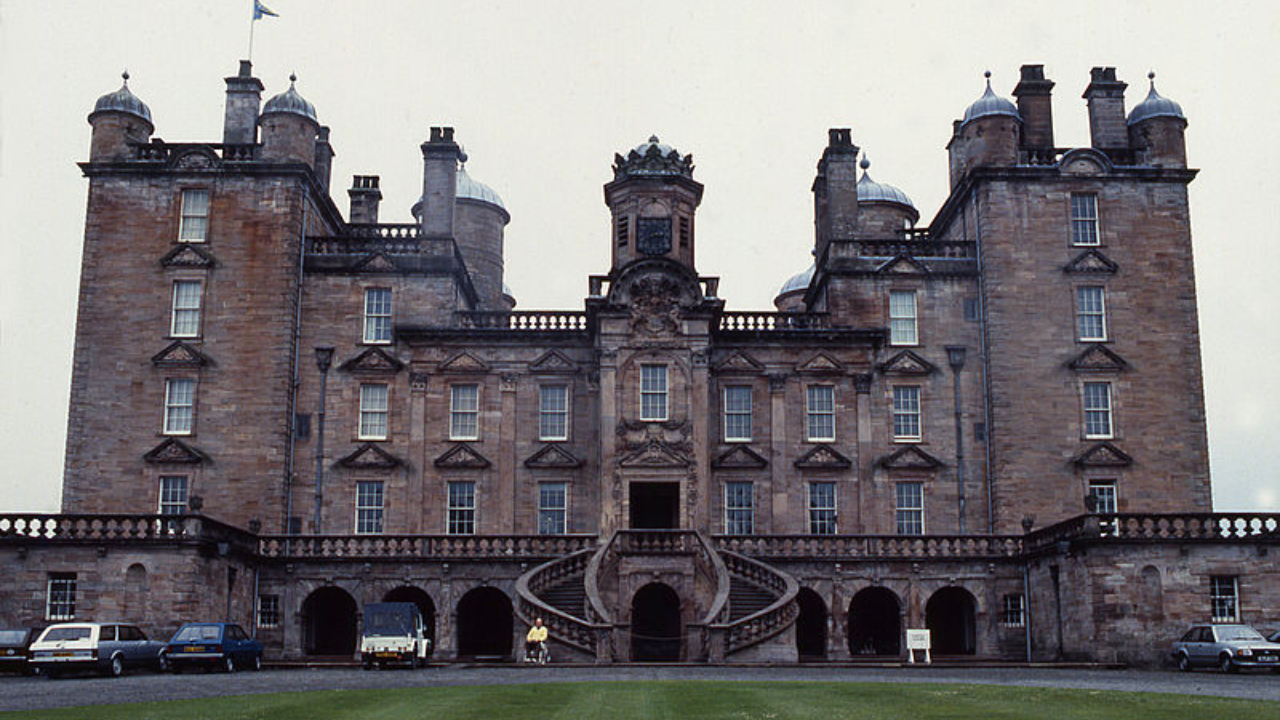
252, 22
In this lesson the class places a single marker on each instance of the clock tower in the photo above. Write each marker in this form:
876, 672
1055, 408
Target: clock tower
652, 199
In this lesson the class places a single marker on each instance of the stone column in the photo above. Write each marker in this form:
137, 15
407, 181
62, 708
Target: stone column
699, 390
416, 493
507, 489
863, 472
777, 454
838, 638
609, 505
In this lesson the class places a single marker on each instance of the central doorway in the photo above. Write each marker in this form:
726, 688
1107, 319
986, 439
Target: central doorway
655, 624
655, 505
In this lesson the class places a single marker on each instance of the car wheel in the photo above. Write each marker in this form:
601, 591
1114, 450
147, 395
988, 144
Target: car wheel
162, 663
257, 662
1227, 666
1184, 662
229, 664
116, 668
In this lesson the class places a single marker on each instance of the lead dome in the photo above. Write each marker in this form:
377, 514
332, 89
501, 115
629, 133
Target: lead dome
124, 101
990, 104
290, 102
871, 191
1155, 105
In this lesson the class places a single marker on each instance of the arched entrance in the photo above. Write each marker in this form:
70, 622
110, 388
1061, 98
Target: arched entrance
419, 597
485, 624
811, 626
329, 622
950, 617
875, 623
655, 624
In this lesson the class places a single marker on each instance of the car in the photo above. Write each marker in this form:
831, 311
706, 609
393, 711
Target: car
15, 649
213, 644
109, 648
1275, 637
1227, 647
393, 634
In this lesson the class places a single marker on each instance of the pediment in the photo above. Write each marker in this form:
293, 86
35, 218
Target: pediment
373, 360
174, 451
187, 255
820, 363
823, 457
655, 454
739, 362
1098, 358
375, 262
180, 354
370, 456
907, 363
909, 458
1102, 454
553, 361
740, 457
552, 456
464, 362
1084, 161
1091, 262
197, 159
462, 456
902, 265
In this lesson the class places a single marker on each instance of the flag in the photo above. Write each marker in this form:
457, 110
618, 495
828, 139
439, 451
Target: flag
259, 10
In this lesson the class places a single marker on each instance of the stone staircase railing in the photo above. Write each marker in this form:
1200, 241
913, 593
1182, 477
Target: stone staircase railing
740, 634
579, 633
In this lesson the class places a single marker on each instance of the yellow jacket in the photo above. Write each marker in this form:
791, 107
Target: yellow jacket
536, 634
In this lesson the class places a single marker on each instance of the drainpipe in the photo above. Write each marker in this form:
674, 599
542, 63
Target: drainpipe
955, 358
986, 363
291, 440
324, 356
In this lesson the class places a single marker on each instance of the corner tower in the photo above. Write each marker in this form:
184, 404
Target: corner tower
653, 198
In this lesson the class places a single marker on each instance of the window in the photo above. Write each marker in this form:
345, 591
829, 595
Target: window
1224, 596
553, 508
820, 409
464, 412
377, 315
972, 310
268, 611
173, 494
622, 225
1084, 219
902, 317
462, 508
1091, 313
1097, 410
373, 412
910, 504
61, 600
1012, 610
653, 392
739, 508
737, 413
553, 412
185, 320
369, 507
906, 412
1104, 496
195, 216
822, 508
179, 406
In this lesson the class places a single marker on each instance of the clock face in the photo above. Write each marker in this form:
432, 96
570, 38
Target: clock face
653, 235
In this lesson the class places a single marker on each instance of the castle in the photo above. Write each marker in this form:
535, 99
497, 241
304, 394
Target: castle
991, 426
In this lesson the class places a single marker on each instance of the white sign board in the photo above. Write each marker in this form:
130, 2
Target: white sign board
918, 640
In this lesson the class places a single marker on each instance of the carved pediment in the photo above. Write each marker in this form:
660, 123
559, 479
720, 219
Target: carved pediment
1091, 262
821, 363
1099, 359
655, 454
552, 456
187, 255
740, 457
553, 362
823, 457
174, 451
462, 456
375, 262
907, 363
198, 159
1084, 161
373, 360
909, 458
180, 354
1102, 454
739, 362
655, 305
370, 456
902, 265
463, 362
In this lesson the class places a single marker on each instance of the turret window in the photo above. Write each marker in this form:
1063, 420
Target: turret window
1084, 219
195, 216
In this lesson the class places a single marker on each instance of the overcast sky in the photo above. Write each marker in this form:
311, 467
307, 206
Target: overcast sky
543, 93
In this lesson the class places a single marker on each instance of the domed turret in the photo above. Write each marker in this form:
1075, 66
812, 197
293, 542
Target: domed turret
791, 297
118, 119
478, 220
290, 102
1157, 130
289, 127
990, 104
882, 208
508, 297
987, 136
652, 199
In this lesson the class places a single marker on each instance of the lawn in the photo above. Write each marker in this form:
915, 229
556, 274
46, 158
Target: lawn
693, 700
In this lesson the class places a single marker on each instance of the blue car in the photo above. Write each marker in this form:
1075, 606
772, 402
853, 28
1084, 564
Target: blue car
213, 645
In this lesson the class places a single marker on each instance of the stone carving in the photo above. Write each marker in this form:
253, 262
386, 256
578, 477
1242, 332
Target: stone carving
1102, 454
174, 451
655, 454
370, 456
862, 383
739, 362
375, 262
820, 363
655, 304
552, 456
909, 458
179, 354
777, 382
418, 381
907, 363
1098, 359
740, 457
195, 160
674, 434
823, 457
463, 362
462, 456
373, 360
552, 362
507, 382
1091, 261
903, 265
186, 255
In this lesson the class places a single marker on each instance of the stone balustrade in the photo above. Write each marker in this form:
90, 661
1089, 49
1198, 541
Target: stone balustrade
577, 632
160, 151
420, 547
772, 321
384, 231
776, 617
525, 320
920, 246
871, 547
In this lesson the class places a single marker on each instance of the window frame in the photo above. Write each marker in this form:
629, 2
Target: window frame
908, 516
1106, 413
811, 415
900, 320
184, 214
173, 418
907, 415
545, 414
268, 617
1013, 610
735, 515
366, 426
1109, 484
370, 518
729, 415
1080, 221
1098, 315
176, 311
1219, 599
457, 414
815, 522
662, 395
66, 600
466, 514
373, 331
546, 511
170, 506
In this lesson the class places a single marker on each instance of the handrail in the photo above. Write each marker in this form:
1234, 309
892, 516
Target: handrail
719, 607
591, 579
579, 633
766, 622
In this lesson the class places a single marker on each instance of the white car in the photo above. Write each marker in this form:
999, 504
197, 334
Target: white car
108, 648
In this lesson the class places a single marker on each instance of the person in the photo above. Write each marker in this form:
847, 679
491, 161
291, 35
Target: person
535, 640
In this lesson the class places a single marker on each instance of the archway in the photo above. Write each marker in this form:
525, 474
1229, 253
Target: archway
329, 622
950, 616
875, 623
135, 595
419, 597
485, 624
655, 624
811, 626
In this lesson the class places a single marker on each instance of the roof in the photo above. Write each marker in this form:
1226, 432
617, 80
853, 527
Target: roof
291, 103
871, 191
1155, 105
123, 100
799, 281
990, 104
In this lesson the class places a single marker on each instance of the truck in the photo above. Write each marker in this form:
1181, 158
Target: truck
394, 634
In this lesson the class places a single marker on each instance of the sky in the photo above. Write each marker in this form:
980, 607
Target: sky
542, 95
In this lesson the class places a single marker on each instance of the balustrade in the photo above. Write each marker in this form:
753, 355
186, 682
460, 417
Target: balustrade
920, 246
525, 320
441, 547
772, 321
165, 152
838, 547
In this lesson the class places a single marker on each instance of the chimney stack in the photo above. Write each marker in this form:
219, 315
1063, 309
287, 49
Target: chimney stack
1105, 97
365, 197
440, 156
835, 190
1035, 105
324, 157
244, 96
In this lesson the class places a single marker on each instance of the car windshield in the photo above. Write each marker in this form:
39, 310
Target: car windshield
12, 637
198, 633
67, 633
387, 622
1239, 633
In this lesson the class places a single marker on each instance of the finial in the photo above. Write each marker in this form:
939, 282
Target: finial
1151, 75
653, 139
125, 75
865, 163
986, 74
293, 78
462, 156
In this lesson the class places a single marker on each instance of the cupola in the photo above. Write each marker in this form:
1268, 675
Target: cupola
289, 127
791, 297
883, 210
1157, 130
118, 118
987, 136
653, 198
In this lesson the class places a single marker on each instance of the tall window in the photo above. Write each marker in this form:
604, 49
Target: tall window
902, 317
464, 412
822, 508
653, 392
60, 603
737, 413
820, 412
906, 412
1013, 610
1084, 219
910, 512
173, 494
1224, 596
1097, 409
1091, 313
553, 508
179, 406
739, 508
185, 320
195, 216
268, 611
553, 412
377, 315
373, 411
369, 502
1104, 496
462, 507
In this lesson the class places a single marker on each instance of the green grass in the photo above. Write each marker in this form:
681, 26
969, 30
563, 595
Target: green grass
690, 700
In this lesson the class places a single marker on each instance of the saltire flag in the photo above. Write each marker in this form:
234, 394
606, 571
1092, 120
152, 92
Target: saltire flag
260, 10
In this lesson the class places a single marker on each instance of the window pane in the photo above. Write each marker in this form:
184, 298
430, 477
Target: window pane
737, 412
1223, 596
902, 318
464, 412
462, 508
1097, 410
822, 508
821, 418
906, 413
173, 494
61, 597
373, 412
1091, 313
186, 309
377, 315
653, 392
195, 216
553, 419
369, 504
179, 402
1084, 219
553, 504
910, 508
738, 508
